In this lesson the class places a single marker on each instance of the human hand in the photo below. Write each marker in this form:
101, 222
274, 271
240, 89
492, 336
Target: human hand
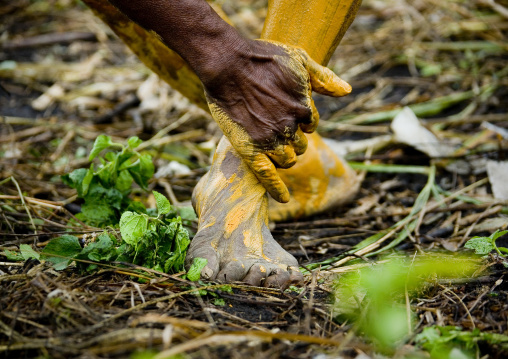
261, 98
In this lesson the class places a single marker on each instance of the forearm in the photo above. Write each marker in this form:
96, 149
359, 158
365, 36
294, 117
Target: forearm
191, 28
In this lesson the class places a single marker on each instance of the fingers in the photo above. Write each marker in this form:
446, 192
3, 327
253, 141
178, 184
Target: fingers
311, 127
284, 156
300, 142
267, 174
325, 82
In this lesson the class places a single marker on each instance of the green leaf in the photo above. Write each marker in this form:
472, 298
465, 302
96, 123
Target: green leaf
65, 246
108, 196
163, 205
12, 256
101, 250
227, 289
219, 302
123, 182
180, 243
75, 180
108, 173
187, 213
87, 180
132, 227
481, 245
142, 170
137, 207
101, 143
182, 240
194, 272
494, 236
98, 214
134, 142
27, 252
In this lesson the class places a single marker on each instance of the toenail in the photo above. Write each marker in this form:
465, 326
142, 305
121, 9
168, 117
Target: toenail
207, 273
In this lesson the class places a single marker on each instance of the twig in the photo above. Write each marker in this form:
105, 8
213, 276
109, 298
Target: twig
165, 131
308, 307
461, 302
49, 39
22, 198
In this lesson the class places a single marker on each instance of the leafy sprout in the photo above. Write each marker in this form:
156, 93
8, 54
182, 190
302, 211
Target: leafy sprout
105, 188
485, 245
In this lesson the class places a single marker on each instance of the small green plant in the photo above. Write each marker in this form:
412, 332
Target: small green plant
453, 342
375, 298
106, 190
25, 252
158, 243
485, 245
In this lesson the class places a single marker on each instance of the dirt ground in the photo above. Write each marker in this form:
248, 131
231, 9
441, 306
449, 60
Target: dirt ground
65, 79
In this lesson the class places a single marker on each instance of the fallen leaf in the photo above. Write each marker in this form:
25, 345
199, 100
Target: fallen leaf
498, 177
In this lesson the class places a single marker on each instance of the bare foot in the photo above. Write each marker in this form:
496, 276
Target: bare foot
233, 232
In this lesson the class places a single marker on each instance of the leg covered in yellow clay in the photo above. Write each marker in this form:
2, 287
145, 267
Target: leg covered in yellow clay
232, 207
233, 232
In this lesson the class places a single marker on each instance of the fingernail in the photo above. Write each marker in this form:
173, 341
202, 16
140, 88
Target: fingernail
284, 197
346, 86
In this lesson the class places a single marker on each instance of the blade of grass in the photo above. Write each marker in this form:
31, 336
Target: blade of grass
368, 246
387, 168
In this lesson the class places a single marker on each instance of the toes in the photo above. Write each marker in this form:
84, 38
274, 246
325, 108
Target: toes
233, 271
256, 275
279, 278
295, 276
203, 251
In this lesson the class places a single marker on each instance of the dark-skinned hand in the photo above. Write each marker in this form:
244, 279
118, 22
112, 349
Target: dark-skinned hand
263, 104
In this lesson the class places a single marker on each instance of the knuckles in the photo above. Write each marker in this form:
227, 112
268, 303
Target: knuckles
303, 114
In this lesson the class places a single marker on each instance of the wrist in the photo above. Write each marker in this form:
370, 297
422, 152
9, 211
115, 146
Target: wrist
192, 29
220, 57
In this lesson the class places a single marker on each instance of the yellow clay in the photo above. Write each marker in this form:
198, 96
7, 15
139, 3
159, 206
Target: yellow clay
235, 192
261, 165
319, 181
234, 205
315, 25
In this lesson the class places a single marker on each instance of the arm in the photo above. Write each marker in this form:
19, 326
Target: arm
259, 92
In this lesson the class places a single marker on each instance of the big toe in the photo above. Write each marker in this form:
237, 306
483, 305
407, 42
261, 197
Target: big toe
207, 252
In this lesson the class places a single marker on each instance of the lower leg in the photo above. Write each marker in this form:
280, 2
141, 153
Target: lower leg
233, 233
232, 207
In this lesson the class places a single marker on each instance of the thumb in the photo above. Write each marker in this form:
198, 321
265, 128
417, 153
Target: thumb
325, 82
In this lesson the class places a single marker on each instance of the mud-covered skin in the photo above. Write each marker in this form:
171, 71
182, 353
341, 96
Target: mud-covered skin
265, 105
233, 232
233, 211
237, 242
319, 182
